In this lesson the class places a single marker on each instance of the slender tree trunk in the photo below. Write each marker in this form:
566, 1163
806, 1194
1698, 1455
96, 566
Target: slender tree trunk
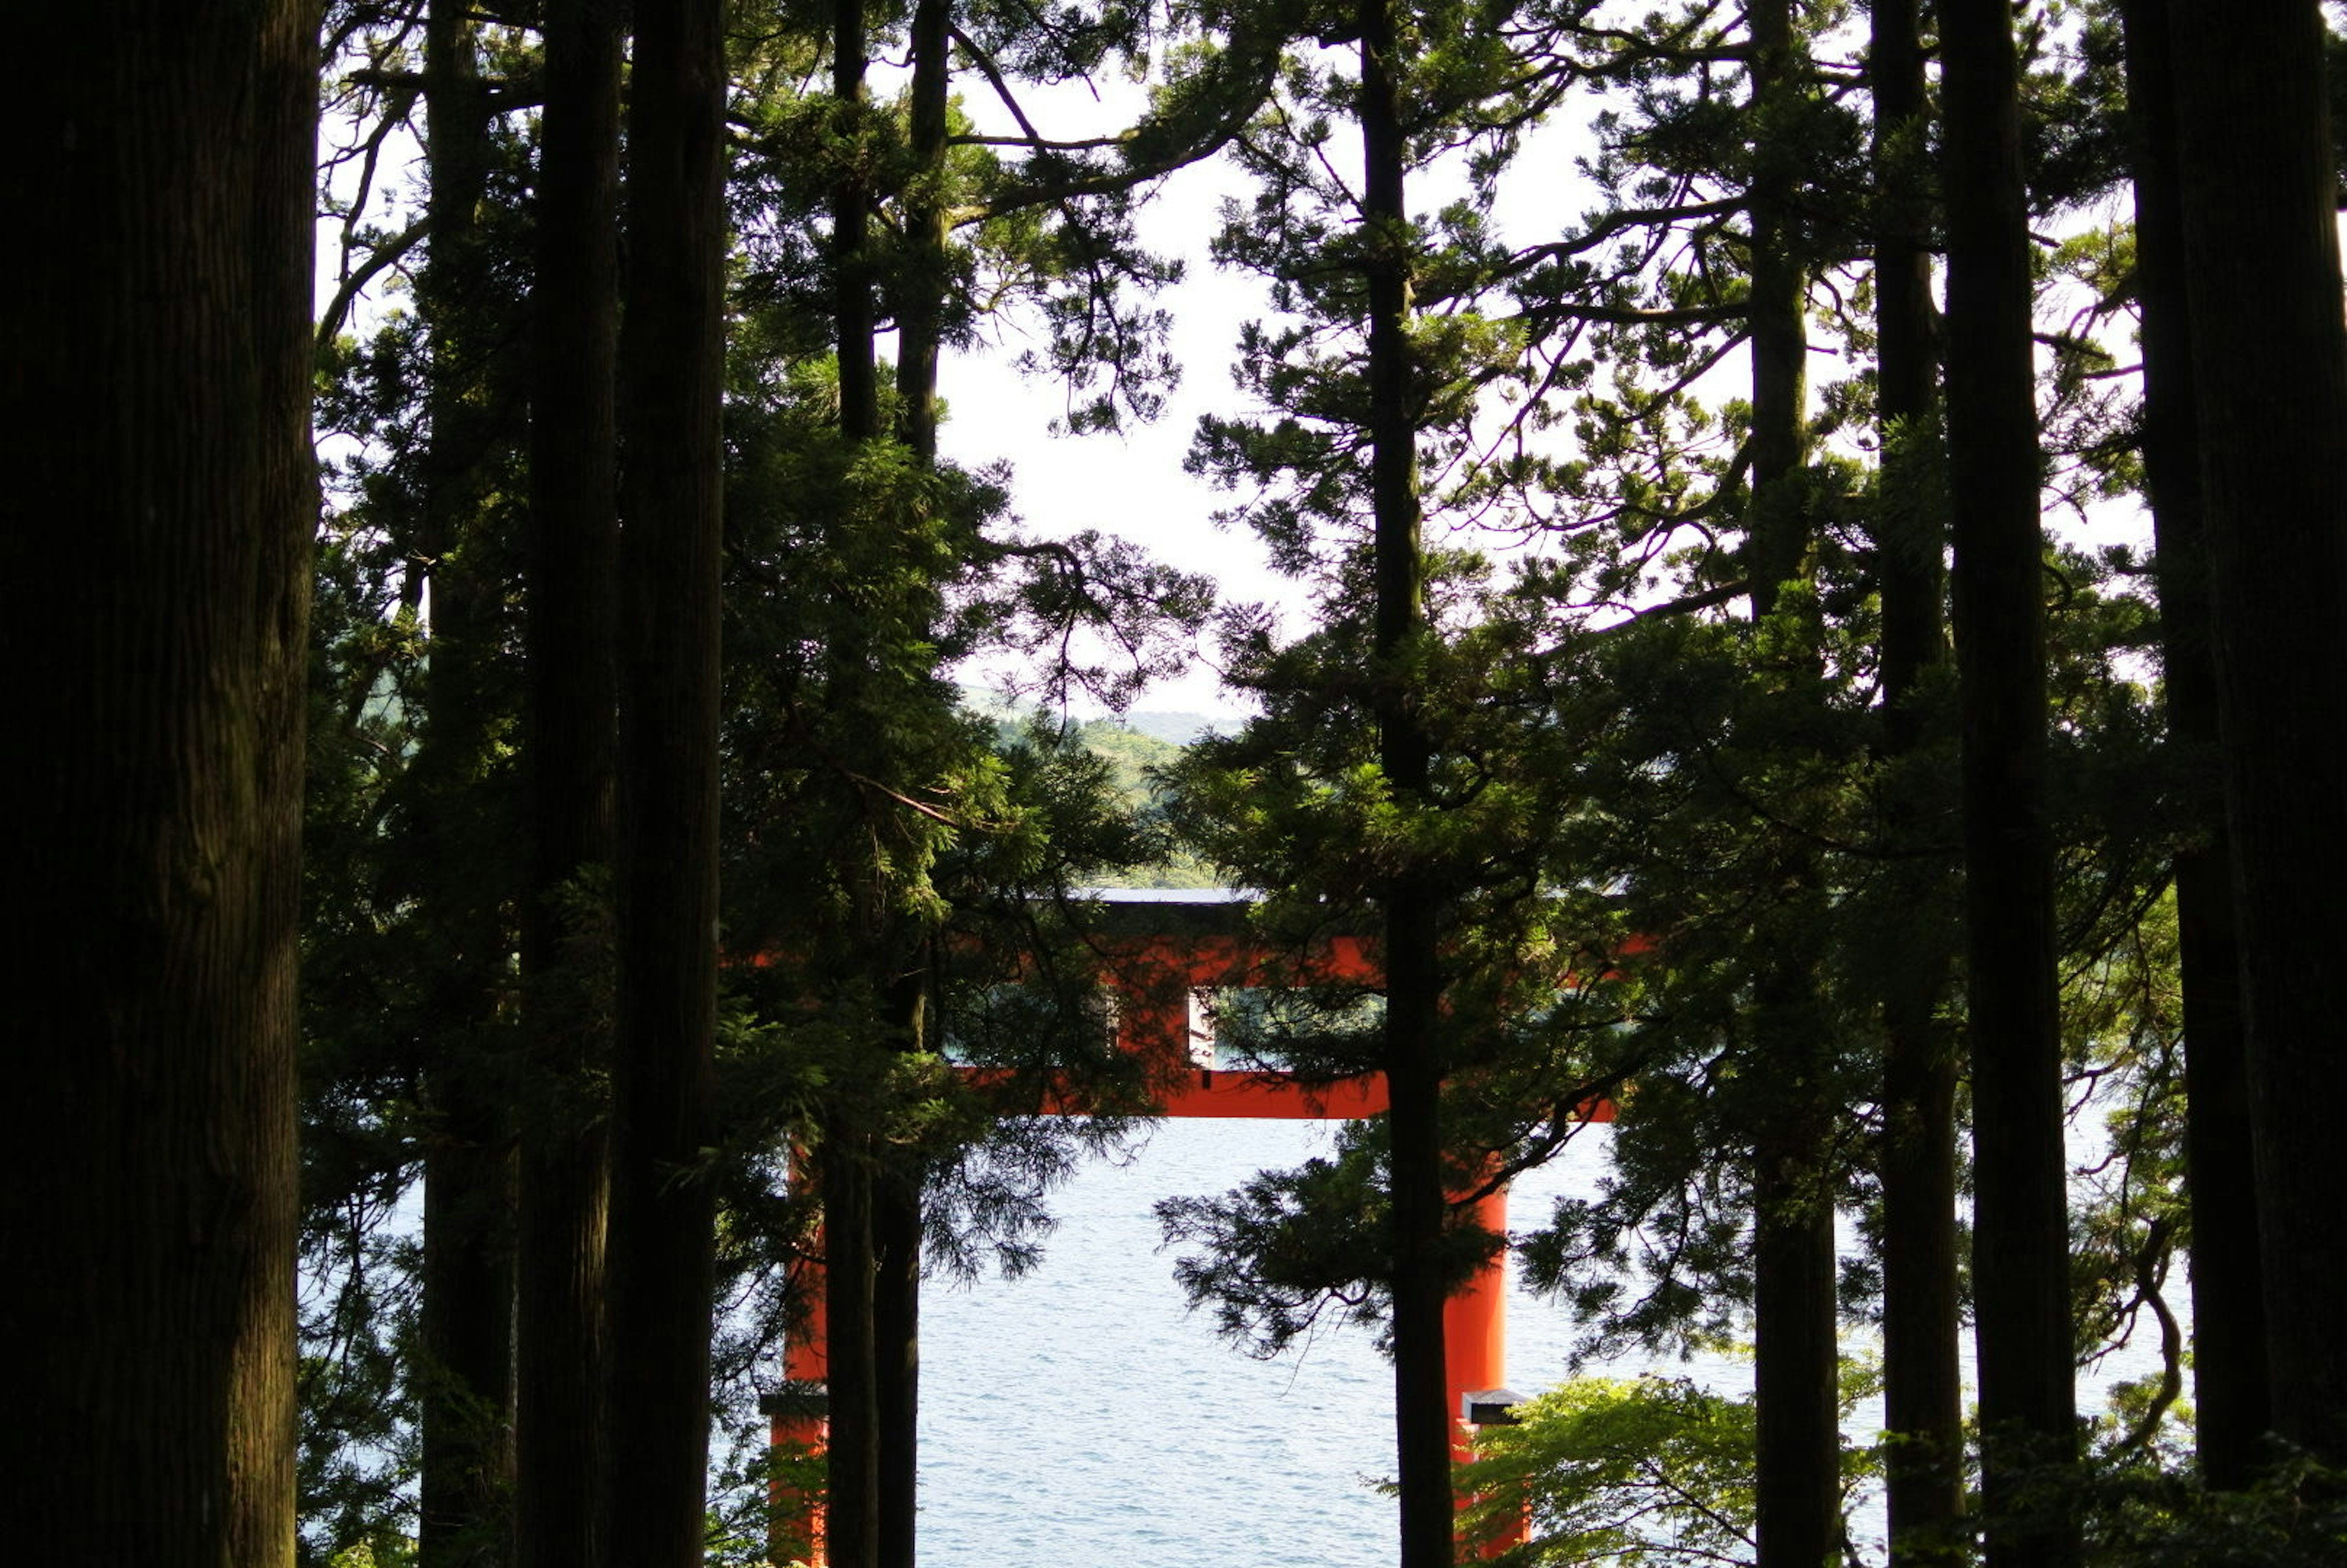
467, 1388
2230, 1395
662, 1256
1798, 1477
896, 1236
897, 1248
1423, 1422
926, 278
156, 396
2021, 1241
564, 1188
2258, 190
852, 1507
923, 279
852, 1447
1921, 1368
851, 226
1782, 543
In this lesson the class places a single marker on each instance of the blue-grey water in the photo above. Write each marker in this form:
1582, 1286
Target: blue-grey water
1080, 1416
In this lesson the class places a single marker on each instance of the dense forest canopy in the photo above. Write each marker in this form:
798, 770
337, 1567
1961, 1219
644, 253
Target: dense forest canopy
521, 890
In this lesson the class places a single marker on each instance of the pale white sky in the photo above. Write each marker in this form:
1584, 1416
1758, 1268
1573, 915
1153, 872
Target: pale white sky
1130, 483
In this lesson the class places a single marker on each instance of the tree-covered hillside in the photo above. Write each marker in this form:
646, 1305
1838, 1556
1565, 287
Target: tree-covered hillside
1138, 749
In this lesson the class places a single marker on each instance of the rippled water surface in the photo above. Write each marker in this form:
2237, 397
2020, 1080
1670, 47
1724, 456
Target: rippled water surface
1081, 1417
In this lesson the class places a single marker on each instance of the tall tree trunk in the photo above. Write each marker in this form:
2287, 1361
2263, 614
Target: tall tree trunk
1422, 1420
2021, 1241
852, 1446
897, 1238
156, 397
467, 1389
1798, 1476
1922, 1391
2231, 1409
560, 1507
851, 1449
2258, 187
851, 226
662, 1256
1797, 1493
923, 279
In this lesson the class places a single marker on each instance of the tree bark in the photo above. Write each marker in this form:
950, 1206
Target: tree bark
2232, 1413
1797, 1490
897, 1239
925, 277
2020, 1249
852, 1448
1922, 1391
559, 1506
672, 375
2258, 188
466, 1399
156, 397
922, 280
1422, 1420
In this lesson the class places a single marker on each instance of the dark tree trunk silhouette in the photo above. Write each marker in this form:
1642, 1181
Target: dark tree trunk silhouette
896, 1217
2021, 1241
671, 373
560, 1507
1796, 1482
2258, 185
2231, 1411
925, 279
1796, 1491
852, 1447
466, 1401
897, 1238
155, 395
1923, 1383
1412, 972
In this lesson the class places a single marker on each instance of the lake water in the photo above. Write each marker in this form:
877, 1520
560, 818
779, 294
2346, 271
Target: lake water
1080, 1416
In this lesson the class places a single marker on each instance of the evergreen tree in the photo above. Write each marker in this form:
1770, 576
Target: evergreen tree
664, 1210
2021, 1265
904, 537
459, 809
563, 1194
2230, 1396
1419, 834
2258, 177
156, 402
1922, 1387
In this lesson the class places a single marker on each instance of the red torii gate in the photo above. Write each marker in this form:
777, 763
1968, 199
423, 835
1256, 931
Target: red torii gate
1168, 955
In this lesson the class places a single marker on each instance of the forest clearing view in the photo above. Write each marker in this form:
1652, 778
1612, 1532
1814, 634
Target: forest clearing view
599, 590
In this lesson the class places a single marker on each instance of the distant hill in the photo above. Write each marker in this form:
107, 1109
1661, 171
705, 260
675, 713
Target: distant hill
1131, 754
1181, 729
1132, 746
1177, 728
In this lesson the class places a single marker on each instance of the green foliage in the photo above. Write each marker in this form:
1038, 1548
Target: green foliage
1638, 1473
1290, 1251
1637, 801
2147, 1516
